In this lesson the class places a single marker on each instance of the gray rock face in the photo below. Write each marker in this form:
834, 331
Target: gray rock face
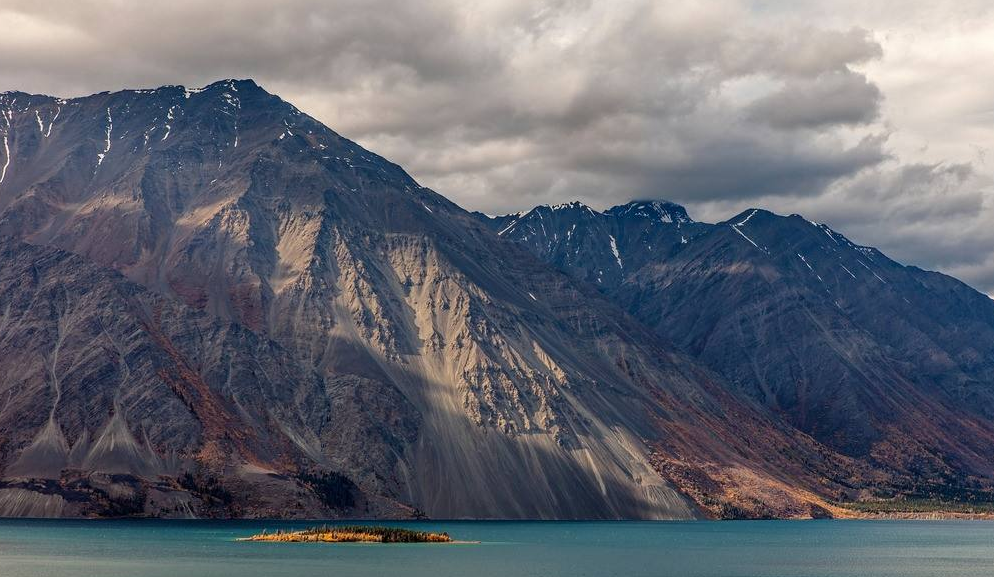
887, 364
214, 305
112, 392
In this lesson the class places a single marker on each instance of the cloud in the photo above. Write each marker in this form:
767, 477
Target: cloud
868, 115
603, 100
830, 99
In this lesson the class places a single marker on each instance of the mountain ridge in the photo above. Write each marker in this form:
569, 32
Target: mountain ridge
877, 360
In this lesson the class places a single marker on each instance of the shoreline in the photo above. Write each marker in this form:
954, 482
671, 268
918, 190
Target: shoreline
853, 515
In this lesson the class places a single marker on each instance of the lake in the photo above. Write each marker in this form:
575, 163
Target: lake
136, 548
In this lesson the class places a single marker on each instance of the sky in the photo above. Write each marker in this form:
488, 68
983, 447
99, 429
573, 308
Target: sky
875, 117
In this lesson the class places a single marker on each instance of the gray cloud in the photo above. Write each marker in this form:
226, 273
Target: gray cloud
502, 104
828, 99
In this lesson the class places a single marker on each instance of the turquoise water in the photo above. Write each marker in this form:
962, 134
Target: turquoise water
42, 548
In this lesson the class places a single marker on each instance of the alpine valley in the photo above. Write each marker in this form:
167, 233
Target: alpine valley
212, 305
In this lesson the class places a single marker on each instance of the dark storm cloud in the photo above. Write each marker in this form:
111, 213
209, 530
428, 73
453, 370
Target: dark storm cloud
502, 104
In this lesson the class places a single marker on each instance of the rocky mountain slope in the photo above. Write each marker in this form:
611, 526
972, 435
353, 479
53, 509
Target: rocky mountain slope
214, 305
884, 363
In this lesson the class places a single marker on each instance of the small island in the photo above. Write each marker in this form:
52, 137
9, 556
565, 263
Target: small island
351, 534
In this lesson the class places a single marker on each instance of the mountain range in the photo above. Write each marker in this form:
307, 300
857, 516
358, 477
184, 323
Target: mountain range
213, 305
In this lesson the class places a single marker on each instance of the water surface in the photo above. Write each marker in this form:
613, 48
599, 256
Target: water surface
130, 548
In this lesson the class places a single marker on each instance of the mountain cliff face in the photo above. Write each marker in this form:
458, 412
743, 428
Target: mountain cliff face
887, 364
214, 305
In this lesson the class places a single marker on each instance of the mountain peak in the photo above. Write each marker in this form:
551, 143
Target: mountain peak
568, 211
574, 205
562, 208
748, 214
228, 84
662, 211
756, 216
232, 84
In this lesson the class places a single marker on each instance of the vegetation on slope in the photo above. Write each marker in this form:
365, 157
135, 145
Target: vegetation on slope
333, 489
920, 506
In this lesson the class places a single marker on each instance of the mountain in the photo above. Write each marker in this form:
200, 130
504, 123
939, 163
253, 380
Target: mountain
884, 363
590, 244
213, 305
